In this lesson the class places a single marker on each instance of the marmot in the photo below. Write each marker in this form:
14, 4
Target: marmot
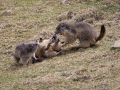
47, 48
80, 30
25, 52
53, 49
40, 53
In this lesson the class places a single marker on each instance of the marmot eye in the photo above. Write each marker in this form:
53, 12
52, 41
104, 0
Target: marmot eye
62, 25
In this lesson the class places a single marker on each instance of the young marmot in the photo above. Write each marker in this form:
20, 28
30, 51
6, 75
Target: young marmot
48, 48
25, 52
80, 30
53, 49
42, 45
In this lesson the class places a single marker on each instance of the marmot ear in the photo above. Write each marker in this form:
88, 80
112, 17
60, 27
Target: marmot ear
40, 39
67, 26
58, 27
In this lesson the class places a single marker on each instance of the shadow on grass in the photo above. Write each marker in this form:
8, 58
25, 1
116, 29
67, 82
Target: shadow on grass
77, 49
15, 66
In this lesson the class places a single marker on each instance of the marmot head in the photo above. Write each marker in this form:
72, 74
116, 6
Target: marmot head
31, 47
52, 39
39, 40
61, 28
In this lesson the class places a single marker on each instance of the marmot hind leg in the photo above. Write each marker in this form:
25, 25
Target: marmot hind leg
92, 42
84, 44
25, 60
16, 59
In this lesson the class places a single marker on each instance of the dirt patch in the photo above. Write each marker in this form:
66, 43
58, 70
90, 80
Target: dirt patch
66, 15
111, 3
28, 25
77, 75
44, 34
49, 80
36, 9
89, 15
4, 26
8, 13
69, 2
103, 87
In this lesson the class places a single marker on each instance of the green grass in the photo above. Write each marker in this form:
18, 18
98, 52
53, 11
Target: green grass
95, 68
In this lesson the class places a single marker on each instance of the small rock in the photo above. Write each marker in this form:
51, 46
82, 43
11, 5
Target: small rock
116, 44
66, 2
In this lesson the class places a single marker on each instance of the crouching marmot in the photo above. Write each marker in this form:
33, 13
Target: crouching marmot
25, 52
80, 30
48, 48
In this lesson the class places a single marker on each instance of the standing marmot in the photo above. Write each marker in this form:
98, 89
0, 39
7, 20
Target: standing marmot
80, 30
25, 52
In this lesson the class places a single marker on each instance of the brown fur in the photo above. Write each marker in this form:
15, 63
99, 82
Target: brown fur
80, 30
53, 49
48, 48
42, 45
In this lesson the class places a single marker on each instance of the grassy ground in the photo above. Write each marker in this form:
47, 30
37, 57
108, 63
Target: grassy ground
96, 68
